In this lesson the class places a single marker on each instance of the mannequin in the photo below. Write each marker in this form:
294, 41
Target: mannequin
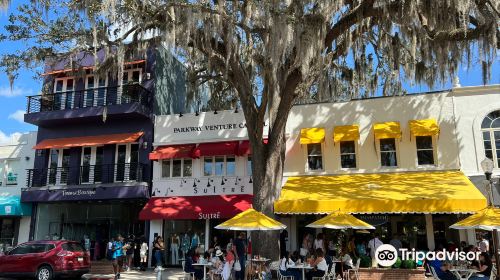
185, 244
174, 248
195, 241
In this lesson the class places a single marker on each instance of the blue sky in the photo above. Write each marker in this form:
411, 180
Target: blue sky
13, 102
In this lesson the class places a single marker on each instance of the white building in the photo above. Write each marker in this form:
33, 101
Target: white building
15, 217
400, 163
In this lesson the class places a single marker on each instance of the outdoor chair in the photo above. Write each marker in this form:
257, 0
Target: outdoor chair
493, 273
330, 274
283, 277
186, 275
354, 270
433, 272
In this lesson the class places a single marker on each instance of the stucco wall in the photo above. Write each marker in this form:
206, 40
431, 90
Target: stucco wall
366, 113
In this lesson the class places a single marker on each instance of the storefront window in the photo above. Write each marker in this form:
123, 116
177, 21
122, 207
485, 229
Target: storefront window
208, 166
180, 236
187, 170
388, 156
230, 166
348, 154
176, 168
165, 168
219, 166
425, 151
491, 137
314, 157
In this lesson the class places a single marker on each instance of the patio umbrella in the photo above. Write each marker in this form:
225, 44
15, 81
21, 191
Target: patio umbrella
340, 220
486, 219
251, 220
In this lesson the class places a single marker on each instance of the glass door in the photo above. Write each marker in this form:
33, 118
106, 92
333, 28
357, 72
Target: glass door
91, 165
127, 162
121, 159
58, 167
63, 93
130, 76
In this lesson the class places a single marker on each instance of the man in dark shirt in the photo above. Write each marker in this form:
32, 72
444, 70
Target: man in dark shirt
283, 240
241, 247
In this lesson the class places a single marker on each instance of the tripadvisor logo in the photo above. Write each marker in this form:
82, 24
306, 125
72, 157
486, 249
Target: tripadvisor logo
387, 255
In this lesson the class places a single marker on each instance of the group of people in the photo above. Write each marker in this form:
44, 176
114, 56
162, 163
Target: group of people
223, 263
176, 245
121, 253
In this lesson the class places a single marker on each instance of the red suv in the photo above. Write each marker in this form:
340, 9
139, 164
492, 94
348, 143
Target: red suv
46, 260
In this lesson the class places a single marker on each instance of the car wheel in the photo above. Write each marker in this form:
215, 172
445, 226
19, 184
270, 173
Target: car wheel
44, 273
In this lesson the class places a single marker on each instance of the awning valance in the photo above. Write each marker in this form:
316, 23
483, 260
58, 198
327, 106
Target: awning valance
88, 68
427, 127
195, 207
312, 135
345, 133
405, 192
216, 149
59, 143
387, 130
174, 151
10, 205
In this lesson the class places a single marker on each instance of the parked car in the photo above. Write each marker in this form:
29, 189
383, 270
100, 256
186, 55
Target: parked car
45, 260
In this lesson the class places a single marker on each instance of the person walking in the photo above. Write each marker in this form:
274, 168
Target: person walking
241, 247
373, 244
117, 255
129, 251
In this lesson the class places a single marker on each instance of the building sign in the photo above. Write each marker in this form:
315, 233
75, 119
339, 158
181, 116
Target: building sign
75, 194
205, 216
8, 209
206, 127
203, 186
11, 178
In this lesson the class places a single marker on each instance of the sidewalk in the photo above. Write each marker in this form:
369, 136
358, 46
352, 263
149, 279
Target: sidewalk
167, 274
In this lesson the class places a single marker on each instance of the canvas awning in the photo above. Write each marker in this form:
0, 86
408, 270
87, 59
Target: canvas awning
426, 127
387, 130
402, 192
345, 133
312, 135
59, 143
174, 151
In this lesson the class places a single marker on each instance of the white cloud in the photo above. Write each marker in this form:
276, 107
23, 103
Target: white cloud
18, 116
9, 139
15, 91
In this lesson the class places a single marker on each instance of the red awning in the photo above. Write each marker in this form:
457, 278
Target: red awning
195, 207
245, 148
88, 140
87, 68
176, 151
216, 149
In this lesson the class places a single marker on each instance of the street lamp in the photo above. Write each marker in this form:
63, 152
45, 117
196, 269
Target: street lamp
487, 166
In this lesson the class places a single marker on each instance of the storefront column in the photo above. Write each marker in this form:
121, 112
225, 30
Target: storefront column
471, 237
207, 234
462, 235
155, 229
429, 226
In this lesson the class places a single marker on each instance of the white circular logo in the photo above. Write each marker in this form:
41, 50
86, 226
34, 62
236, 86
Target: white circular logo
386, 255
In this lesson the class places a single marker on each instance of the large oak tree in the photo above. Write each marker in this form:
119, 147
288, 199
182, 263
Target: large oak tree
271, 54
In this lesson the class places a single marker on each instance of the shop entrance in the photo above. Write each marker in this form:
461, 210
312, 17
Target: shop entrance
180, 236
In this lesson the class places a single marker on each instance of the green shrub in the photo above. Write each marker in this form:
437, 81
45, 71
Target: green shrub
397, 264
365, 261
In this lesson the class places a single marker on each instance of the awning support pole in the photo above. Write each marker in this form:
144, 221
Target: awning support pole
429, 226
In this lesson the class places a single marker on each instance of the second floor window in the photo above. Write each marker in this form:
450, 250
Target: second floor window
491, 137
425, 150
314, 157
348, 154
249, 166
219, 166
388, 156
177, 168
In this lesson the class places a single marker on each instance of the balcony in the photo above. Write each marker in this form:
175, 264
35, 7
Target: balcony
131, 100
85, 175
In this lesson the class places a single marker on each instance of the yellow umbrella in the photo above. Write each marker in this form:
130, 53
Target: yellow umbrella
486, 219
340, 220
251, 219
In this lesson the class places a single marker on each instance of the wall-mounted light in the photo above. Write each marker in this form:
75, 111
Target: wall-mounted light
215, 112
180, 115
194, 183
39, 153
222, 183
145, 145
236, 110
197, 113
27, 158
250, 181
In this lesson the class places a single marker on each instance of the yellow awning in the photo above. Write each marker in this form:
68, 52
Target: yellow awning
312, 135
486, 219
345, 133
424, 127
251, 219
404, 192
340, 220
387, 130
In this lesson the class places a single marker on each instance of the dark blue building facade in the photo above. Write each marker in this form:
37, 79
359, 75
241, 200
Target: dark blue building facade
92, 174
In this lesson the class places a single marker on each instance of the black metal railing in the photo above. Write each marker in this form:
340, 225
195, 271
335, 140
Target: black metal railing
102, 96
86, 174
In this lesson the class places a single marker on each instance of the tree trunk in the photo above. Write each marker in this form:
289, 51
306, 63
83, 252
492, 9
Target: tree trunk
267, 178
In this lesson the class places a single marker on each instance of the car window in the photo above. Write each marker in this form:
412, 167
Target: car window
20, 250
73, 247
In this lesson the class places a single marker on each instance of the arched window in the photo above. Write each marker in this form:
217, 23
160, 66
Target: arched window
491, 136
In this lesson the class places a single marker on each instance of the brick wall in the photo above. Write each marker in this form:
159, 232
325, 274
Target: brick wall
389, 274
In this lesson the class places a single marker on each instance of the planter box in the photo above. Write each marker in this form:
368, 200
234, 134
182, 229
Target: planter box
390, 274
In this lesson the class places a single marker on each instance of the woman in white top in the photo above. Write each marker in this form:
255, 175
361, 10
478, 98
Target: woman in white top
319, 264
346, 263
287, 267
319, 242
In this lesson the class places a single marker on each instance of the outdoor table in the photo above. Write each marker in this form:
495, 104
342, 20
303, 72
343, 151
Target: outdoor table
463, 273
303, 267
259, 262
204, 268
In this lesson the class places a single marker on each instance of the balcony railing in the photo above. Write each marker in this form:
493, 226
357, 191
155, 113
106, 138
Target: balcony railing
102, 96
87, 174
